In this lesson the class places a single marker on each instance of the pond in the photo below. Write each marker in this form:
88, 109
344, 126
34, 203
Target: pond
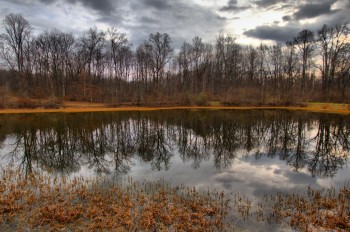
252, 152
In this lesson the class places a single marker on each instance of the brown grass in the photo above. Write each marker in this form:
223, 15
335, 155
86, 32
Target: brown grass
46, 203
319, 210
69, 107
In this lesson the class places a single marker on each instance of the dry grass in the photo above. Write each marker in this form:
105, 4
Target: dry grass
319, 210
76, 104
69, 107
316, 210
45, 203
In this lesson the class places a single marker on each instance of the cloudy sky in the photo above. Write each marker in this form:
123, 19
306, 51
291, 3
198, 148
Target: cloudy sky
250, 21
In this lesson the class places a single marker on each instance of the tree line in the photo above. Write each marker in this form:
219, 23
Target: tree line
103, 66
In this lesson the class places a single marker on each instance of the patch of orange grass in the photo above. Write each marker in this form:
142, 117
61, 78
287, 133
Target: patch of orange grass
77, 107
74, 104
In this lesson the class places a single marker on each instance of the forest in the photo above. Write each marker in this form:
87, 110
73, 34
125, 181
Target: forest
103, 66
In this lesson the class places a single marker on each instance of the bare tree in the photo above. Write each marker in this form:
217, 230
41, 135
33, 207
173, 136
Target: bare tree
121, 55
252, 64
333, 42
305, 43
91, 45
54, 55
184, 60
276, 60
7, 59
263, 69
160, 52
290, 67
17, 31
198, 58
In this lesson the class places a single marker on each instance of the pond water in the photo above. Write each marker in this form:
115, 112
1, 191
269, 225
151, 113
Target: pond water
251, 152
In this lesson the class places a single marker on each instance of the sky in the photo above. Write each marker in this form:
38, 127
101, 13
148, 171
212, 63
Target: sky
249, 21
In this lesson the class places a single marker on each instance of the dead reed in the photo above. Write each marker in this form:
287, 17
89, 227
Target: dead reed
44, 203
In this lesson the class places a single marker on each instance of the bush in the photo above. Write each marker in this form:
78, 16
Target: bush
26, 103
52, 104
202, 99
186, 100
39, 93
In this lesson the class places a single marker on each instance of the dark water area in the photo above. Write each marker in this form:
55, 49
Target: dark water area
251, 152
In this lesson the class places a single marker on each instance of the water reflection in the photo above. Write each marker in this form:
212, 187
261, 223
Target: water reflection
113, 142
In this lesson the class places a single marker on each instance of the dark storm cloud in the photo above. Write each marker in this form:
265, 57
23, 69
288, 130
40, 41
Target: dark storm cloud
313, 10
275, 33
233, 7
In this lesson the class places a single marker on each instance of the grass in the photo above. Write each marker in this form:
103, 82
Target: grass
314, 210
69, 107
325, 209
43, 202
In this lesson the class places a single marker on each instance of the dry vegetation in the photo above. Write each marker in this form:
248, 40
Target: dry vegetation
320, 210
42, 202
316, 210
71, 106
46, 203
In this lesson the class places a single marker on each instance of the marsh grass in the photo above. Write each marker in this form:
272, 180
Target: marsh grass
314, 210
318, 210
45, 203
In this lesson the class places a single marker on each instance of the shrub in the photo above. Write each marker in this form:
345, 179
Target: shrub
26, 103
202, 99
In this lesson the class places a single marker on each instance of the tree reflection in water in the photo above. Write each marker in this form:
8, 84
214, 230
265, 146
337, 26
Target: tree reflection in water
108, 142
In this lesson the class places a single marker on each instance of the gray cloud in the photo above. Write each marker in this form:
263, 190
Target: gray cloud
101, 6
288, 32
313, 10
233, 7
268, 3
275, 33
310, 10
158, 4
149, 20
287, 18
47, 1
182, 20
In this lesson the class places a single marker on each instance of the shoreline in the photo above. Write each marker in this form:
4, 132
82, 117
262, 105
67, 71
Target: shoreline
320, 108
